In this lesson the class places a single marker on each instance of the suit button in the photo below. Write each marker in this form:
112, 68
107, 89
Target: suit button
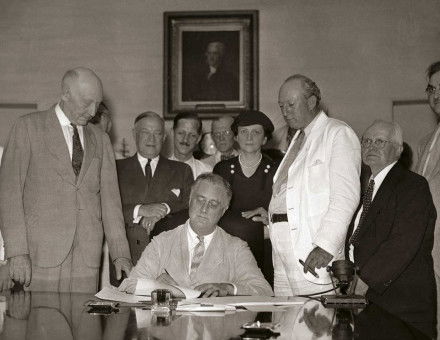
138, 242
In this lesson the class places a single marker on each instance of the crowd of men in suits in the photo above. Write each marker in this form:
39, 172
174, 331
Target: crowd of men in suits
62, 192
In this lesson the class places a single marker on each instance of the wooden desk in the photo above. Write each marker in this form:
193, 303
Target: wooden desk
49, 316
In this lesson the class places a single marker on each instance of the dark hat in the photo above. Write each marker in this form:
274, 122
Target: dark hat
252, 117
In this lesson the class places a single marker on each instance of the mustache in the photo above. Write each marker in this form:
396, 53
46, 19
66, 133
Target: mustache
184, 143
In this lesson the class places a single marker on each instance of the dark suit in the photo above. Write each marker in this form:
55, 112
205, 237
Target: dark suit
168, 175
48, 213
394, 246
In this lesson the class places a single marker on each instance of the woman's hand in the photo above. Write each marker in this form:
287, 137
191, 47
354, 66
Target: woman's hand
257, 215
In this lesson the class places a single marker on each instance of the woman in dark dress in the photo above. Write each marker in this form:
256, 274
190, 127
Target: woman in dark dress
251, 177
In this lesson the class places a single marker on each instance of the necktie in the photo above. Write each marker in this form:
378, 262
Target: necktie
289, 159
199, 250
366, 203
77, 151
148, 172
290, 133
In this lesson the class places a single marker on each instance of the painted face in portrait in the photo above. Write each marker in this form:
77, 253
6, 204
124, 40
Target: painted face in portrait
223, 135
206, 206
296, 109
214, 54
251, 138
149, 136
433, 92
186, 137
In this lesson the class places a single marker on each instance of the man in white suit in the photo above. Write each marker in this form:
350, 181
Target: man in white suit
199, 254
315, 193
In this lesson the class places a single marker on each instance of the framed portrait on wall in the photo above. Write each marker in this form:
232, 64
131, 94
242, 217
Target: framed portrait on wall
211, 62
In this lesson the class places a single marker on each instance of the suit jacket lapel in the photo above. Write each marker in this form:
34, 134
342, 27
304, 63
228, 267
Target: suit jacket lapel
382, 197
89, 151
57, 146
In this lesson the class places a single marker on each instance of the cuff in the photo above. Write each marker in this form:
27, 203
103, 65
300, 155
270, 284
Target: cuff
168, 208
235, 288
136, 218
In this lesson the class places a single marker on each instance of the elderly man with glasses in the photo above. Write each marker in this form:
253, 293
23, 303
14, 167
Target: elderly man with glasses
391, 234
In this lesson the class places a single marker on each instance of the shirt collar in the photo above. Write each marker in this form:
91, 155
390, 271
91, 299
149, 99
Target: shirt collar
144, 160
194, 237
380, 177
188, 161
309, 127
64, 121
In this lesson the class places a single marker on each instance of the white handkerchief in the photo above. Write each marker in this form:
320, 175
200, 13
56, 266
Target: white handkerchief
176, 192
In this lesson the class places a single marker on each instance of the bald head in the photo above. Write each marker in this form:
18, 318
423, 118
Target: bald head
298, 99
81, 95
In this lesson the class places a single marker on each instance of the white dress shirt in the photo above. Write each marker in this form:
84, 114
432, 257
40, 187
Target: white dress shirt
68, 129
153, 165
197, 166
378, 179
193, 240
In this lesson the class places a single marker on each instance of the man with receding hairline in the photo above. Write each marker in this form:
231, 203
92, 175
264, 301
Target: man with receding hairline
60, 195
315, 191
391, 234
153, 188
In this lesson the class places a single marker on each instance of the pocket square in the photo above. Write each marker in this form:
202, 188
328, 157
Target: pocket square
176, 192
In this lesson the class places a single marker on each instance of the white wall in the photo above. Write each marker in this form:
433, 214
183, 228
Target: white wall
362, 54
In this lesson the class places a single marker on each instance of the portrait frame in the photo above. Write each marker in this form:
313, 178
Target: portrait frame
210, 62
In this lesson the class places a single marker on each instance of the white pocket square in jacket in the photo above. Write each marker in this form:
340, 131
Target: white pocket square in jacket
176, 192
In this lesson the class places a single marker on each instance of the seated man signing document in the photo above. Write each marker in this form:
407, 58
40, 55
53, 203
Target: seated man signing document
199, 254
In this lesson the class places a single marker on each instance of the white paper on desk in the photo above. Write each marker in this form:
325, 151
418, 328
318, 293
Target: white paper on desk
250, 300
197, 307
146, 286
113, 294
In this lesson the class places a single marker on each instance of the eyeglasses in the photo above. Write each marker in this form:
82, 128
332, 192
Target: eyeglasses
219, 134
378, 143
431, 89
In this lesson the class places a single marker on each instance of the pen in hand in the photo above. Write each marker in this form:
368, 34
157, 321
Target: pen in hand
312, 271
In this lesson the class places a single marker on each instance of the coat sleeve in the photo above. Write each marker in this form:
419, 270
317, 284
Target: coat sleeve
413, 215
13, 172
247, 276
112, 217
149, 264
344, 181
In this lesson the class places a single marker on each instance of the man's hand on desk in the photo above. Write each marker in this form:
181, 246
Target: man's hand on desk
215, 289
20, 269
156, 210
128, 286
317, 258
122, 264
